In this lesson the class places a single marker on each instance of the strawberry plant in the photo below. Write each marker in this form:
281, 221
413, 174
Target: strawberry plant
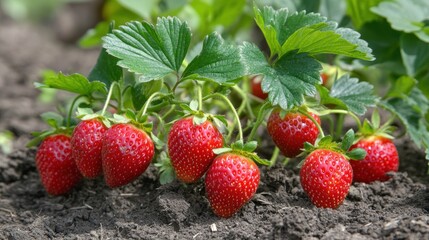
187, 104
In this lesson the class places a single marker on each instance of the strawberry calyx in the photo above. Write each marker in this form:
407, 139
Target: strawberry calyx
373, 129
57, 124
245, 150
342, 147
165, 168
199, 116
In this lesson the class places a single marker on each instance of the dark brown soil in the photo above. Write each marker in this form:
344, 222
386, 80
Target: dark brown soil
396, 209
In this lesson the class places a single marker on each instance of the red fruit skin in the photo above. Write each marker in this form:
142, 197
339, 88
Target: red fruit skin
86, 142
325, 78
255, 83
381, 157
56, 167
126, 153
190, 147
326, 177
231, 182
290, 134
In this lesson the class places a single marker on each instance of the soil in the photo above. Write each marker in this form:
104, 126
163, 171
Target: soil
396, 209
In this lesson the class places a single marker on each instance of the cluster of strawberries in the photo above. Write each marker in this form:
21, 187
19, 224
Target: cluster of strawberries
327, 172
123, 152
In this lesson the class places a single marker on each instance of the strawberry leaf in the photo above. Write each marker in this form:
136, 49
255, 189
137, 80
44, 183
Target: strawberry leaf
159, 144
75, 83
218, 61
293, 76
152, 51
350, 94
406, 16
308, 33
415, 54
411, 111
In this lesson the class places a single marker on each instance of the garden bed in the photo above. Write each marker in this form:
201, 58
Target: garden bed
144, 209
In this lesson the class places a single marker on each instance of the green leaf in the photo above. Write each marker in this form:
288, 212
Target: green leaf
375, 119
220, 121
315, 40
355, 95
250, 146
401, 87
406, 15
410, 113
294, 76
348, 140
218, 61
271, 22
75, 83
360, 11
253, 59
356, 154
415, 54
219, 151
152, 51
308, 33
159, 144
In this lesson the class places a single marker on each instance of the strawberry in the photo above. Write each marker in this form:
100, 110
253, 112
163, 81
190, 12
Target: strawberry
55, 164
231, 182
255, 84
382, 157
126, 153
290, 133
86, 145
326, 177
190, 147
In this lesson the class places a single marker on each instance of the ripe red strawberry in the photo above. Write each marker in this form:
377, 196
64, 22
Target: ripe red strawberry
255, 84
231, 182
86, 145
56, 167
190, 147
382, 157
326, 177
290, 133
126, 153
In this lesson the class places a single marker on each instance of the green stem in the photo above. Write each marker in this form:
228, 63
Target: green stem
109, 95
70, 112
259, 120
305, 113
244, 103
237, 119
344, 112
340, 125
200, 97
143, 110
274, 156
169, 111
